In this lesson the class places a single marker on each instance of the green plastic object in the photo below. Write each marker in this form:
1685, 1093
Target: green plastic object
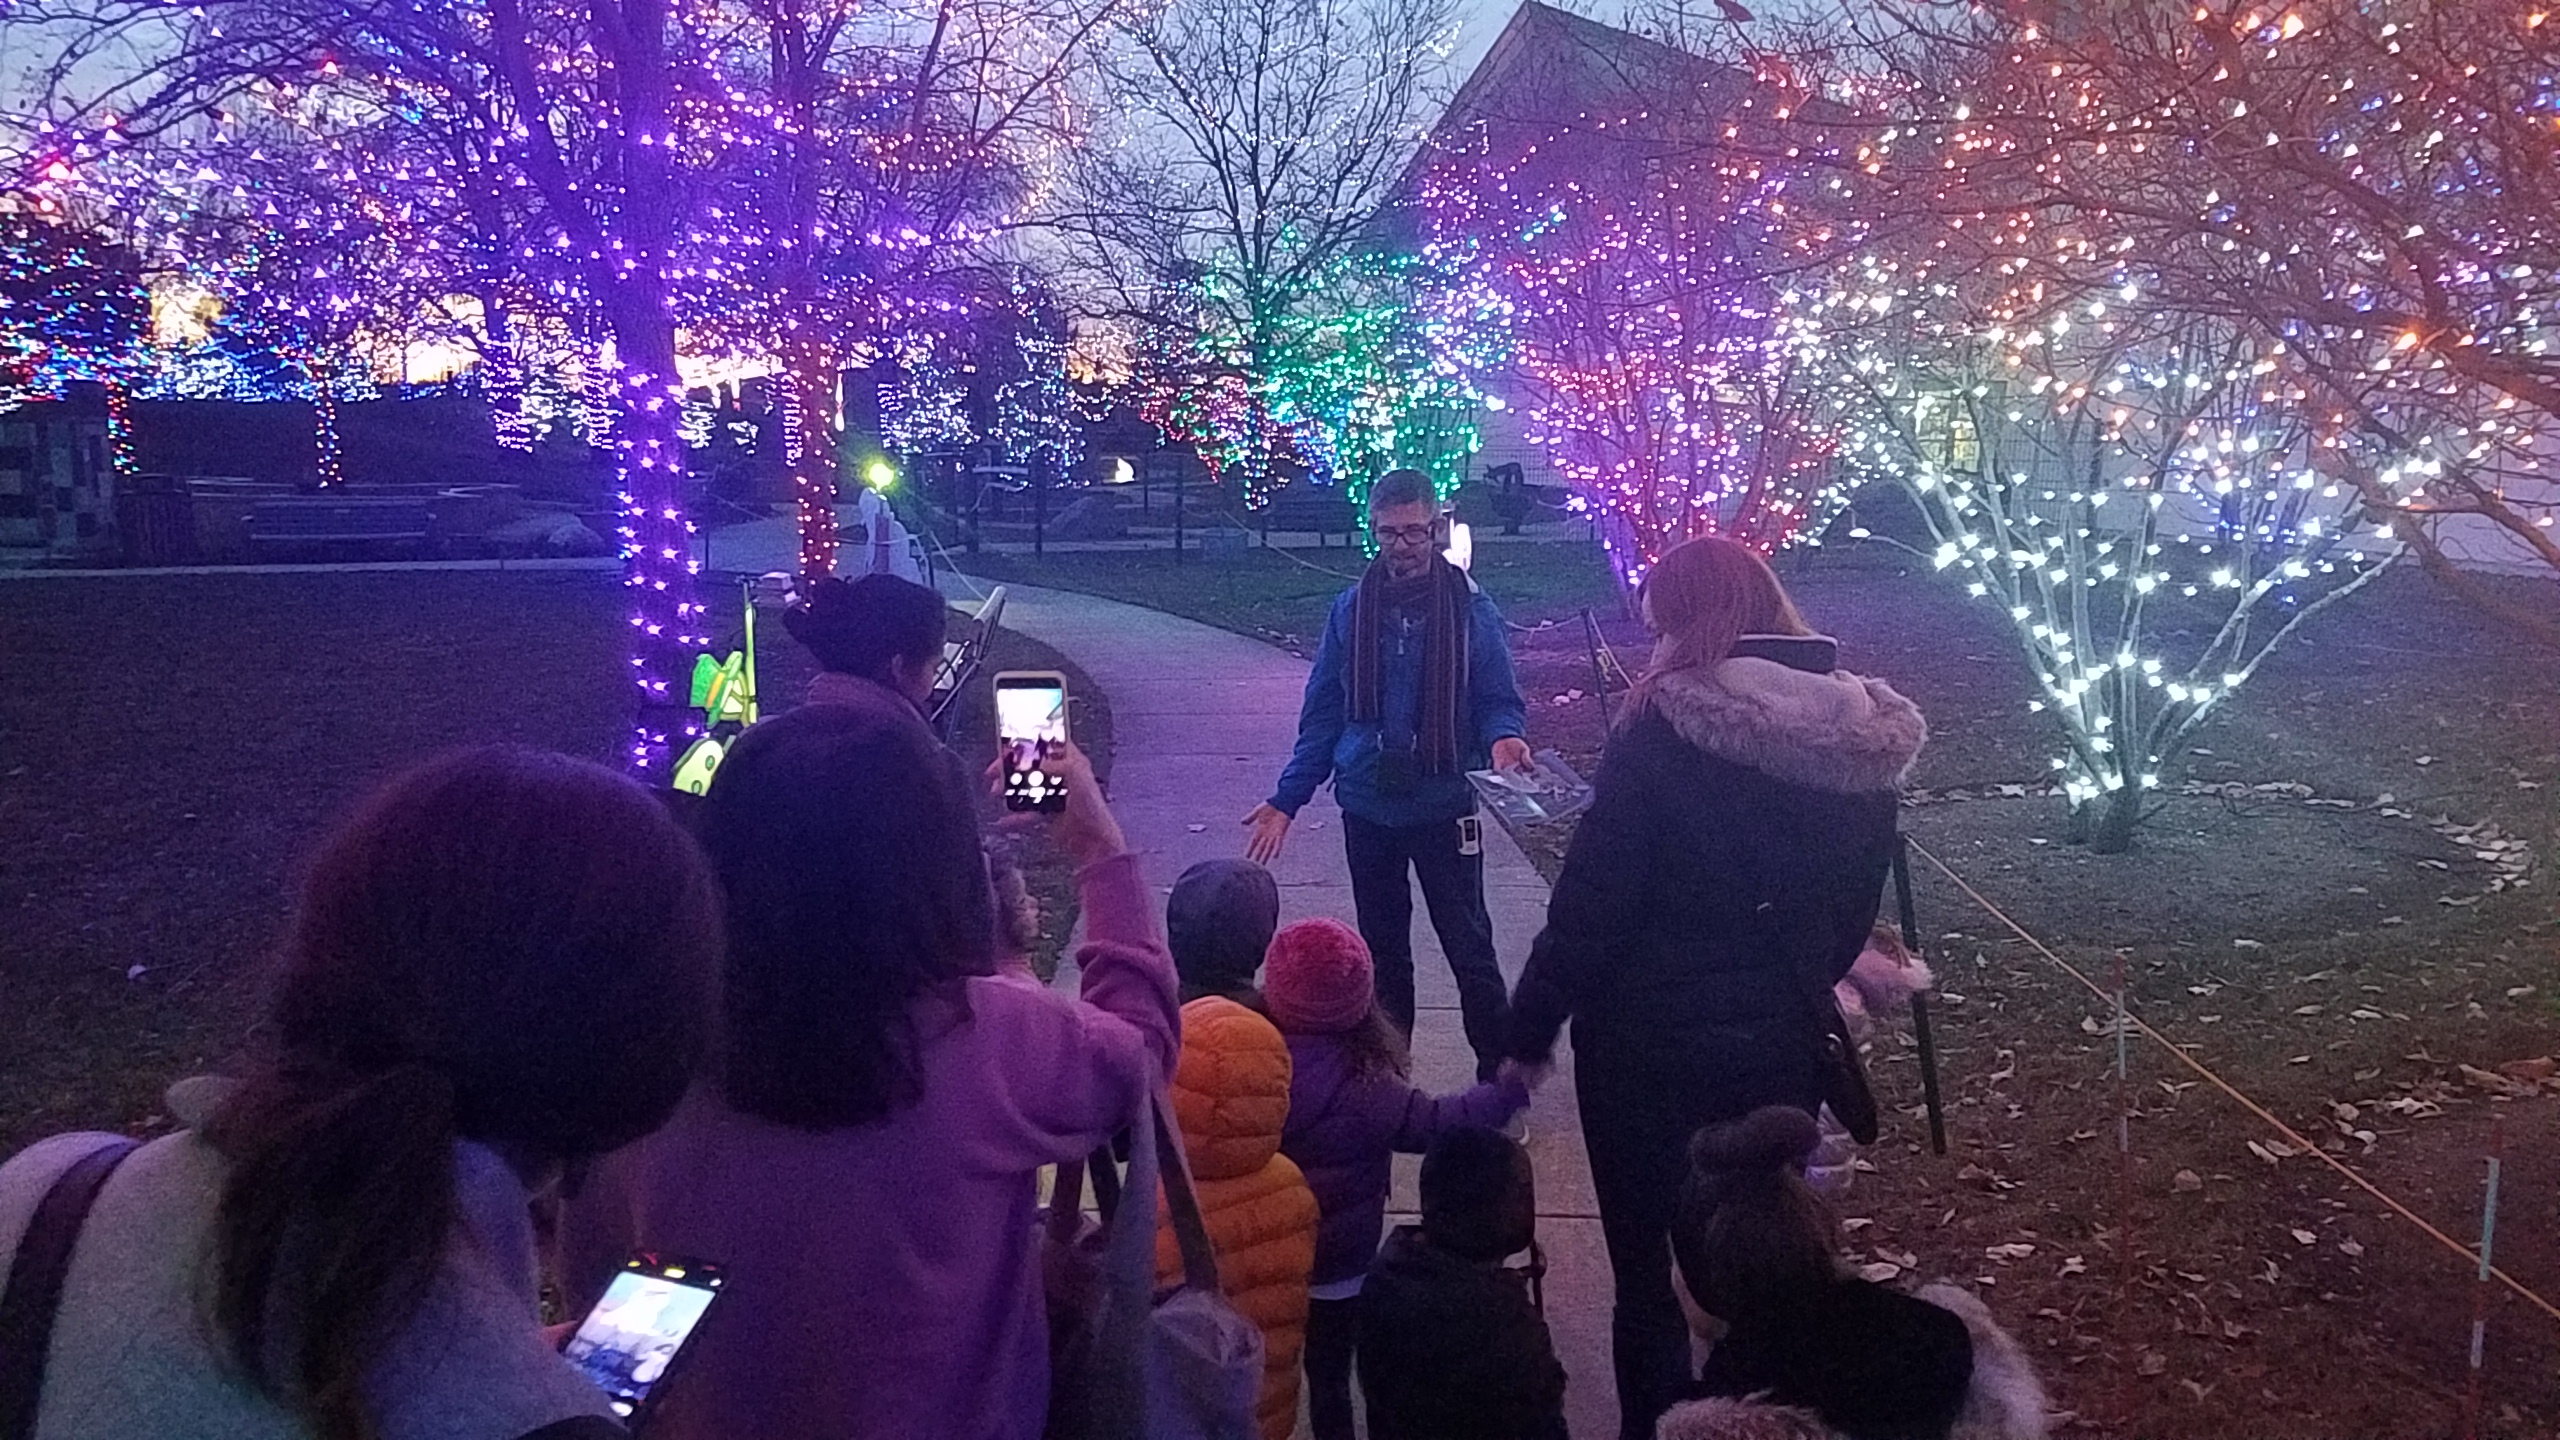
693, 772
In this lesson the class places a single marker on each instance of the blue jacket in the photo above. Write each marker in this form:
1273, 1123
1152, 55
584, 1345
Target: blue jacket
1329, 745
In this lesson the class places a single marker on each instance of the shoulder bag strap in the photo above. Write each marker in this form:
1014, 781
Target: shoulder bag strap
36, 1274
1104, 1168
1066, 1202
1821, 1005
1118, 1381
1190, 1231
1849, 1093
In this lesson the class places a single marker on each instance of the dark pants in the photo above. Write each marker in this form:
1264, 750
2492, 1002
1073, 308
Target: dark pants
1453, 890
1637, 1128
1332, 1332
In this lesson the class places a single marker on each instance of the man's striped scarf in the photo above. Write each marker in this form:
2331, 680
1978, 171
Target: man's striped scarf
1447, 599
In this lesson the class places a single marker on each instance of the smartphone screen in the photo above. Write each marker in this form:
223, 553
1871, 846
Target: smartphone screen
640, 1325
1031, 715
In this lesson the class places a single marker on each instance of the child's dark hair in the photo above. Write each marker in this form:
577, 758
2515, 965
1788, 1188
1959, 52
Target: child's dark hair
855, 882
1751, 1233
1479, 1194
1377, 1049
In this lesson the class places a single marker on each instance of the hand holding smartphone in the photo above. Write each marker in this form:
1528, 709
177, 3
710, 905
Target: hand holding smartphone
639, 1328
1031, 733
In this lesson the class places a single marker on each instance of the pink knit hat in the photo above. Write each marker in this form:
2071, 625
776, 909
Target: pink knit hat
1316, 977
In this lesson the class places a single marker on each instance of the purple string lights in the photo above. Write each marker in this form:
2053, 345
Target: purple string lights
668, 622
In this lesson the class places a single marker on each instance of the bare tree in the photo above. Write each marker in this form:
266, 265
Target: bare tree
1260, 140
2134, 495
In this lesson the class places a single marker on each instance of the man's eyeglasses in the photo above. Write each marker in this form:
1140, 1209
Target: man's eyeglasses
1407, 534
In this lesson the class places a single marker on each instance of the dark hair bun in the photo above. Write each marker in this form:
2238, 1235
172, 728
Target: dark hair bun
822, 610
859, 626
1765, 1139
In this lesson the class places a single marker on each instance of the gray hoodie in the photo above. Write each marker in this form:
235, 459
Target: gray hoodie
134, 1353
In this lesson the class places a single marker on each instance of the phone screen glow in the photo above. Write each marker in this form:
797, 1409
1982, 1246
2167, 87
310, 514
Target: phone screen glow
627, 1341
1030, 717
1031, 712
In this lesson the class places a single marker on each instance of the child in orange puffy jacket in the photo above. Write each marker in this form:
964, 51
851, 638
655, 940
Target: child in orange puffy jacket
1231, 1097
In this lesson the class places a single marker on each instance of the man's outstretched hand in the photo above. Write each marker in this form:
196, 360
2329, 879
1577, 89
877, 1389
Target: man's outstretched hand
1270, 827
1512, 753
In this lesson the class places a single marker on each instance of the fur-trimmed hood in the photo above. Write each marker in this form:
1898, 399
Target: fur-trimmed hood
1828, 731
2006, 1400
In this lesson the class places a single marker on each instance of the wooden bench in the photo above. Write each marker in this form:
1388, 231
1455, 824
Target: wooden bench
336, 519
964, 657
1301, 508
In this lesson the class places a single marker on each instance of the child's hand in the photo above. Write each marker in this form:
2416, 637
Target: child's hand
1531, 1075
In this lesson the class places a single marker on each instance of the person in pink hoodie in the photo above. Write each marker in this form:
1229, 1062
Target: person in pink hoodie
864, 1165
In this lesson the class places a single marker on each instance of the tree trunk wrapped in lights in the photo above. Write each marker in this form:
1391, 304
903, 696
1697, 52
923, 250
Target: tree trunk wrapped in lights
565, 116
899, 140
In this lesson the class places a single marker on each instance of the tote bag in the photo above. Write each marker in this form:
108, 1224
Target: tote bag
1126, 1363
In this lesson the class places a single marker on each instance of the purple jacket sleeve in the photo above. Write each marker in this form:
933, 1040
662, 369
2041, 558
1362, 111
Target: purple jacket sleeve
1490, 1104
1127, 970
1066, 1074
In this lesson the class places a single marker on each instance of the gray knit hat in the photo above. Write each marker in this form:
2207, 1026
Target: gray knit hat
1221, 918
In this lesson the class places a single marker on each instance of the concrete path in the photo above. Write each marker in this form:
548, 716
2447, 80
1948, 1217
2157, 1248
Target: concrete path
1202, 721
773, 543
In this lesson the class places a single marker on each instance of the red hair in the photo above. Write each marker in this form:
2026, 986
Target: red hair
1700, 599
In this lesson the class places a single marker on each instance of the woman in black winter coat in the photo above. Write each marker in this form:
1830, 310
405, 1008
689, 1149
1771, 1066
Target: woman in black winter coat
1736, 851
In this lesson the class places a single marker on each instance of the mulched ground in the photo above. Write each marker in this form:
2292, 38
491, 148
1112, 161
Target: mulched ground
171, 746
2326, 926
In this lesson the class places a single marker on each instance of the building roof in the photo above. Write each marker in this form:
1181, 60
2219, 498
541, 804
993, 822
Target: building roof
1547, 68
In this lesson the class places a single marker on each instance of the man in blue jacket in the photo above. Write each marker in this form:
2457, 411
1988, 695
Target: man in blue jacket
1412, 688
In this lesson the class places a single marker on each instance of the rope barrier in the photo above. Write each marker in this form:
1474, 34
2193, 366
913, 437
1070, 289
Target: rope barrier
2293, 1137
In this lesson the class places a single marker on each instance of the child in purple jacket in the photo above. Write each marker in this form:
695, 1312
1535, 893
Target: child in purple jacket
1352, 1108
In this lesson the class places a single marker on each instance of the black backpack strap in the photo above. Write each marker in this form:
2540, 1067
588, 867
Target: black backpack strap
34, 1295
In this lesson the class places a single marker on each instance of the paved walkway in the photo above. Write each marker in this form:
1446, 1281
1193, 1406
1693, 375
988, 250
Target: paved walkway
1202, 720
773, 543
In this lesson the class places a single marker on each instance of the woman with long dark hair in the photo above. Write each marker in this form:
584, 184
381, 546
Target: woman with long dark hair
864, 1164
1727, 872
504, 964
